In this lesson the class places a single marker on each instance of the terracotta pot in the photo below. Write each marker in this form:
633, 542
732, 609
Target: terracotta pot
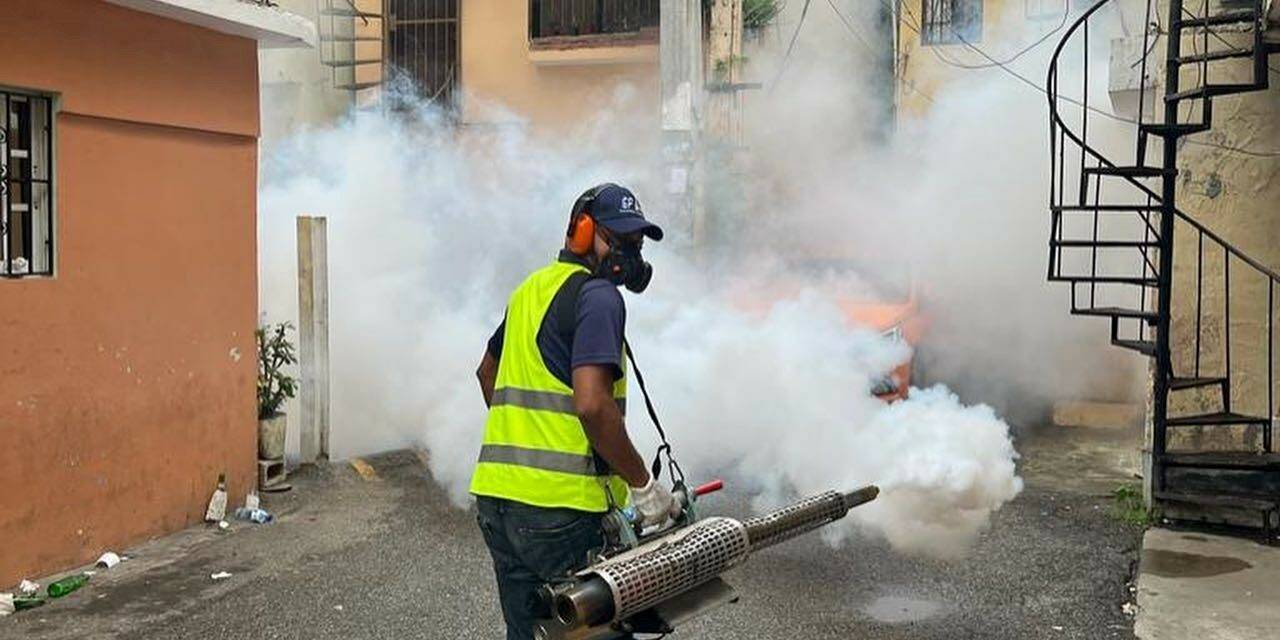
271, 432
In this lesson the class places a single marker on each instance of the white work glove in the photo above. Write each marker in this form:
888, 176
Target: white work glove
655, 503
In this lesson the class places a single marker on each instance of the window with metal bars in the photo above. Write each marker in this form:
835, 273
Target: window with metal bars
555, 18
421, 45
26, 184
950, 21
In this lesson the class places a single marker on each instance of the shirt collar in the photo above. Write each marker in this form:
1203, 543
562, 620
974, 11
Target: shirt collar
572, 258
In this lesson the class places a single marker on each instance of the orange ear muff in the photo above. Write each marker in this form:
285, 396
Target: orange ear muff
583, 235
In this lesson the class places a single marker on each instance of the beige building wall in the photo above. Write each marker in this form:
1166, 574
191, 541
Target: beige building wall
552, 84
921, 74
555, 84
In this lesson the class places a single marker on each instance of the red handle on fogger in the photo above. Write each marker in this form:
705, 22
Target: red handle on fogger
710, 487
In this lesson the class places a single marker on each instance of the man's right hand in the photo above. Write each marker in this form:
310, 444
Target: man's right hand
655, 503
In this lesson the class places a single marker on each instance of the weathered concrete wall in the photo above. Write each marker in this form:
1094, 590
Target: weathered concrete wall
127, 380
1235, 194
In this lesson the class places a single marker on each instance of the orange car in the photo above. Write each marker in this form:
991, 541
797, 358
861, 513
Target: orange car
881, 296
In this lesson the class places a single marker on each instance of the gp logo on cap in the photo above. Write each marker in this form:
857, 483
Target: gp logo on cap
628, 205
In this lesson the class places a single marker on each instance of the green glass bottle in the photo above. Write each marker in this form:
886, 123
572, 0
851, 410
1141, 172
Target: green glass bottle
23, 603
67, 585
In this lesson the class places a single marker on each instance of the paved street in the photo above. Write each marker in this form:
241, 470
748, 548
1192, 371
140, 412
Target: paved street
389, 558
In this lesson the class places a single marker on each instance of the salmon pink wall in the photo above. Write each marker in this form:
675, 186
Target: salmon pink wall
127, 380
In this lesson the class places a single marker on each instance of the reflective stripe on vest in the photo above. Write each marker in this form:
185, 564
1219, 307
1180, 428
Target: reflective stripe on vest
539, 459
535, 450
544, 400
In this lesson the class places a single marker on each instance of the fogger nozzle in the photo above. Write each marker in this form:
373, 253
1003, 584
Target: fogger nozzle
674, 564
804, 516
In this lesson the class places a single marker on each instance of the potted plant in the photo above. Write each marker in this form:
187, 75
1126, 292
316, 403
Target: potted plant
275, 386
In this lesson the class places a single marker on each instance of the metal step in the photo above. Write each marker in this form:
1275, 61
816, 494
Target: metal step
1221, 54
1178, 384
1212, 90
1219, 508
357, 86
1106, 244
1226, 17
1175, 130
1106, 208
1224, 460
1146, 282
350, 38
349, 13
1220, 418
351, 63
1141, 346
1117, 312
1221, 500
1130, 172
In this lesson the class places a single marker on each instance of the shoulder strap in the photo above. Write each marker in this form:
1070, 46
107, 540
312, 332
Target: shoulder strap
564, 306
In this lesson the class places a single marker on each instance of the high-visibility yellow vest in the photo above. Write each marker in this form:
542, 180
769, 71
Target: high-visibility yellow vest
535, 450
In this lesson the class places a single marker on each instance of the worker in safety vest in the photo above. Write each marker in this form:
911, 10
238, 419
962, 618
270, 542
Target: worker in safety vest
556, 455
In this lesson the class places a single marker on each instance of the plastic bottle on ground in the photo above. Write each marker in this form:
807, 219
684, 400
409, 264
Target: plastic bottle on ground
218, 501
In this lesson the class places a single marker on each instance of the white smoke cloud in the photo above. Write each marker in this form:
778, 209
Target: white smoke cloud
430, 228
429, 231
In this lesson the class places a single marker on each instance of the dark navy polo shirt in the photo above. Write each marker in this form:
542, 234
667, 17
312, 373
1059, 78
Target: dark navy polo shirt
598, 329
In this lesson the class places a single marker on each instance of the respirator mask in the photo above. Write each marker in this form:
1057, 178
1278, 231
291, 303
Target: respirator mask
625, 266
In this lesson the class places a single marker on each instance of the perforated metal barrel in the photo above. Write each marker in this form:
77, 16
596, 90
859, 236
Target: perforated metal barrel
804, 516
651, 575
654, 573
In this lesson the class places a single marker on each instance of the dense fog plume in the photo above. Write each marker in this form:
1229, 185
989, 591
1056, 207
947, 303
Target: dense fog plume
429, 231
757, 370
956, 193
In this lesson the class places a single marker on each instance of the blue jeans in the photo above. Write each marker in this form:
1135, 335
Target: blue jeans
530, 547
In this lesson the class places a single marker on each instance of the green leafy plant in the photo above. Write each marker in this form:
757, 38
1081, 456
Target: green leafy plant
720, 71
275, 352
1129, 507
757, 14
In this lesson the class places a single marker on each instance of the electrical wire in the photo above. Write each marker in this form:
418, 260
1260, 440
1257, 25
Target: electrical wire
1027, 81
1231, 47
1021, 52
782, 67
1003, 67
1159, 29
849, 27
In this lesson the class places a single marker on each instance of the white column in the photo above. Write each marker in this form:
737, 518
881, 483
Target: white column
313, 334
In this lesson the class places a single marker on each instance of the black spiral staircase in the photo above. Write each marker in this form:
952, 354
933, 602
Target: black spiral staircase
1132, 256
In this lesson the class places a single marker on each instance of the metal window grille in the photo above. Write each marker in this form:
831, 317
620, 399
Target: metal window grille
951, 21
550, 18
26, 184
421, 45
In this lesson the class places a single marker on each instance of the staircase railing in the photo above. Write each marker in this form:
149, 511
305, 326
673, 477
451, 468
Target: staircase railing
352, 52
1084, 248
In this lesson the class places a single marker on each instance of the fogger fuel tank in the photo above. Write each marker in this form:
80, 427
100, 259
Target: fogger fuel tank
676, 576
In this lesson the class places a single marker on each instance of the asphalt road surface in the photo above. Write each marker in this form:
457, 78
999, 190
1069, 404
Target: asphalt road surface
389, 557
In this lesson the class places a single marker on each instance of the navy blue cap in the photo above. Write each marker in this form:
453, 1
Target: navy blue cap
617, 209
